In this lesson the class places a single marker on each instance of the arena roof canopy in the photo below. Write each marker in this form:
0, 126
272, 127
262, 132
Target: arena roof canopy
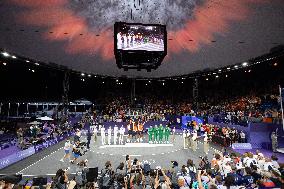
202, 34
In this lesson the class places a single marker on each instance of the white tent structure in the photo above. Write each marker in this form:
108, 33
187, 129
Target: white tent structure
45, 118
34, 123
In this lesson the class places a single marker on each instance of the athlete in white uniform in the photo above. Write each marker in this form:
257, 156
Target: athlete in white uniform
67, 150
103, 135
194, 140
206, 144
121, 134
115, 133
109, 135
95, 133
174, 132
184, 135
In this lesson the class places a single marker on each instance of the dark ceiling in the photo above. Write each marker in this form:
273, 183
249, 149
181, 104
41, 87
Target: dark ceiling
203, 34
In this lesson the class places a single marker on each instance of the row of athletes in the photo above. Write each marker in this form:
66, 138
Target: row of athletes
134, 130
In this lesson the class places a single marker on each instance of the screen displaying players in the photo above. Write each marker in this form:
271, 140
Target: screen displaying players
140, 37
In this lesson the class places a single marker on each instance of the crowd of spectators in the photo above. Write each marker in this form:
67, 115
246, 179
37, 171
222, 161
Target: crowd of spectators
39, 133
33, 134
238, 110
227, 170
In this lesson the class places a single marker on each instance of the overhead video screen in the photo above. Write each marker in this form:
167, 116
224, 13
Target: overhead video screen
140, 37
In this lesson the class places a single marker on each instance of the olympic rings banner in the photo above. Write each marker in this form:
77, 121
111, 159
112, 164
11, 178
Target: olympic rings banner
13, 158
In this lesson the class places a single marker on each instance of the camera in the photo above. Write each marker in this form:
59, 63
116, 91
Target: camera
159, 170
135, 161
174, 164
135, 171
204, 163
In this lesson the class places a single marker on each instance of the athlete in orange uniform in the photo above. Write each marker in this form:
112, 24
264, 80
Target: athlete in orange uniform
135, 130
140, 131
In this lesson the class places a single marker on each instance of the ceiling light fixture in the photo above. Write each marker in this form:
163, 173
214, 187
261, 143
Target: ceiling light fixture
244, 64
5, 54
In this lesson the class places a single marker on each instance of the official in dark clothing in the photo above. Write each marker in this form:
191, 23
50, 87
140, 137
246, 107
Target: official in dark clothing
89, 137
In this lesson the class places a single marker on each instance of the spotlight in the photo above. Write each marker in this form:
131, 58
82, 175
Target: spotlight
103, 82
275, 64
236, 66
149, 81
27, 61
4, 63
89, 75
163, 83
33, 71
249, 71
182, 82
220, 70
116, 80
207, 79
82, 74
244, 64
214, 73
216, 76
228, 68
226, 75
5, 54
14, 57
37, 64
146, 84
